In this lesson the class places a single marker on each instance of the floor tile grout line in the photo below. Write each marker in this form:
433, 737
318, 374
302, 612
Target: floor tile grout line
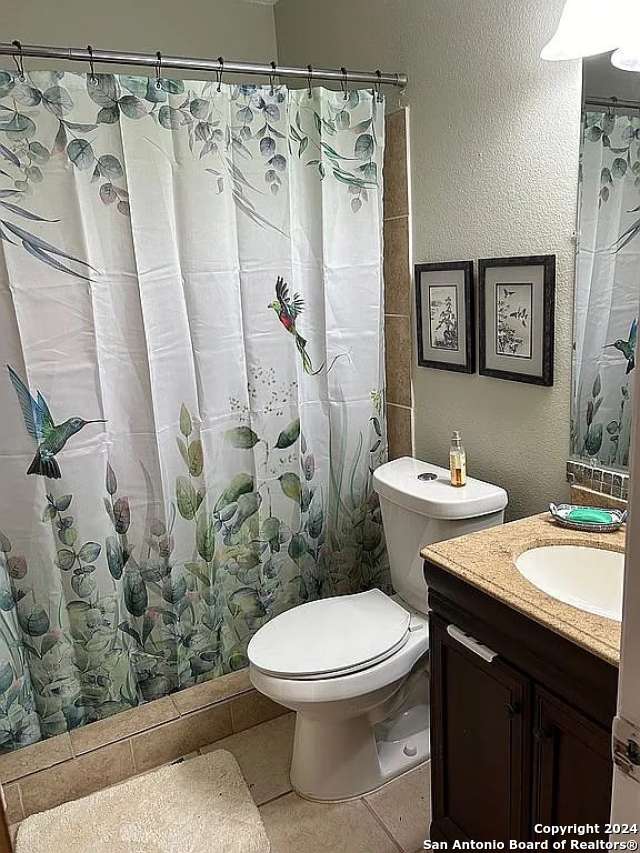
277, 797
382, 824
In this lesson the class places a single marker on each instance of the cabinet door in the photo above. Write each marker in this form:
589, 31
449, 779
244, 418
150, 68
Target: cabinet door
572, 766
480, 749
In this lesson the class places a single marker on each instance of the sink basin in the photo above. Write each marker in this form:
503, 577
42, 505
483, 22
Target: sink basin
588, 578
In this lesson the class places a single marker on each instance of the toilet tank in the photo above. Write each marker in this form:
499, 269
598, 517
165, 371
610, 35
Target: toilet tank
419, 507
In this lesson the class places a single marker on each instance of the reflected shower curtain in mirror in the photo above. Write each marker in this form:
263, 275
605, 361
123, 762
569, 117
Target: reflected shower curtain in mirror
607, 288
192, 379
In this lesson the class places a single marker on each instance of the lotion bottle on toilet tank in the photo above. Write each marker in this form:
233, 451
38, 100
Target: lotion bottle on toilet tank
457, 461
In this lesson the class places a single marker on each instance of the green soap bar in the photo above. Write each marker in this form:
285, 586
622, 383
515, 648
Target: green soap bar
590, 516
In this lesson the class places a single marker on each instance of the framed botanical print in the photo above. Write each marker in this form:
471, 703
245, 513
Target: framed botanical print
516, 317
445, 316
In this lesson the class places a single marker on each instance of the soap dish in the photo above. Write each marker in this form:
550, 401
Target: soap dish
562, 512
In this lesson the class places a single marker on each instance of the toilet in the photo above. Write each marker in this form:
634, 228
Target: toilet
354, 667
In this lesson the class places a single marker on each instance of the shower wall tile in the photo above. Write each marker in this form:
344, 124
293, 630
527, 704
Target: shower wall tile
398, 359
399, 431
253, 708
76, 778
396, 172
214, 690
180, 737
12, 803
69, 766
397, 269
123, 725
397, 287
33, 758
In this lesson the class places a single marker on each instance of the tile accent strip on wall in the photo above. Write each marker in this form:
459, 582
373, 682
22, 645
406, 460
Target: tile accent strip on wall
603, 480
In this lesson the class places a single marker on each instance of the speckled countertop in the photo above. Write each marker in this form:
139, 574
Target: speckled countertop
487, 561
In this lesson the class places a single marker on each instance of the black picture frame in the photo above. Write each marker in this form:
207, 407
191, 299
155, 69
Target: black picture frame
466, 299
547, 280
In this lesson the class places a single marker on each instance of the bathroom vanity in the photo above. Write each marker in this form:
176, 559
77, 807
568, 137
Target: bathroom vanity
523, 690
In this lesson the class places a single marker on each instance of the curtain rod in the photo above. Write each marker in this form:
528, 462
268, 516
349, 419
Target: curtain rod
612, 103
192, 64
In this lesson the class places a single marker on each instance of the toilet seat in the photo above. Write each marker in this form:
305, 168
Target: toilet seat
316, 692
331, 637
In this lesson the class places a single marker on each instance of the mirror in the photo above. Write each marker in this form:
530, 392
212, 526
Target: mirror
607, 265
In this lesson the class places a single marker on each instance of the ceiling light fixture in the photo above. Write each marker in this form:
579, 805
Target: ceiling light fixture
589, 27
627, 58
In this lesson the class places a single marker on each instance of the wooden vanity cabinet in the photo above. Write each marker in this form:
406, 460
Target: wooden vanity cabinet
479, 730
572, 766
521, 739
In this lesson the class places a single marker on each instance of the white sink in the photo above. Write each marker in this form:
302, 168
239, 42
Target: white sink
588, 578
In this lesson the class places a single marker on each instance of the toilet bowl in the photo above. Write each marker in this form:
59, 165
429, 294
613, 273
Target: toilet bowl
354, 667
340, 689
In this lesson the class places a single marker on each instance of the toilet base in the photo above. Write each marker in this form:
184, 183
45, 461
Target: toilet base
336, 760
357, 730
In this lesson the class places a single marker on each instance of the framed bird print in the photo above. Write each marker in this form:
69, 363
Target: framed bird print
516, 318
445, 316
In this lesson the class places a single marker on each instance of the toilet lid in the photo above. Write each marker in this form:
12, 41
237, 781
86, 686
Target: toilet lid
331, 637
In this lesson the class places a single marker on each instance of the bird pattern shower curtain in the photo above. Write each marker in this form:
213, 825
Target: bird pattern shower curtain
191, 380
607, 288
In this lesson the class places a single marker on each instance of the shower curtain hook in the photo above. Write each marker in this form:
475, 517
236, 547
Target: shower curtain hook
272, 75
376, 87
219, 72
309, 76
345, 82
19, 61
158, 69
92, 74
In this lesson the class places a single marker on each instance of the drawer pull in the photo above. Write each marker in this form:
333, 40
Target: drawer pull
471, 643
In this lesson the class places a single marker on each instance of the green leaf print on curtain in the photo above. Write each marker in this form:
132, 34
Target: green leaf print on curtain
607, 288
193, 398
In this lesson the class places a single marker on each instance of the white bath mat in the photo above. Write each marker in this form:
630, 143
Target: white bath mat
201, 805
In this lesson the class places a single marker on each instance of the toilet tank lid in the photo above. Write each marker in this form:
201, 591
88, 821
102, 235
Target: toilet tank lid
399, 482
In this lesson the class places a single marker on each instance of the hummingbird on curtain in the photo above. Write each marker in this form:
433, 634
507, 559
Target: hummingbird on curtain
628, 347
288, 310
49, 437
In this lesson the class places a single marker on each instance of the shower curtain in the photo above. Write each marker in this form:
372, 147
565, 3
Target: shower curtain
607, 288
191, 380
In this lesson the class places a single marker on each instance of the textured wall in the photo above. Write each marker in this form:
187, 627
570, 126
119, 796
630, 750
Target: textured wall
237, 29
494, 161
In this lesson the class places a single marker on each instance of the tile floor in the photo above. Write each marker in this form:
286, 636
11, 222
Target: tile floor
394, 819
